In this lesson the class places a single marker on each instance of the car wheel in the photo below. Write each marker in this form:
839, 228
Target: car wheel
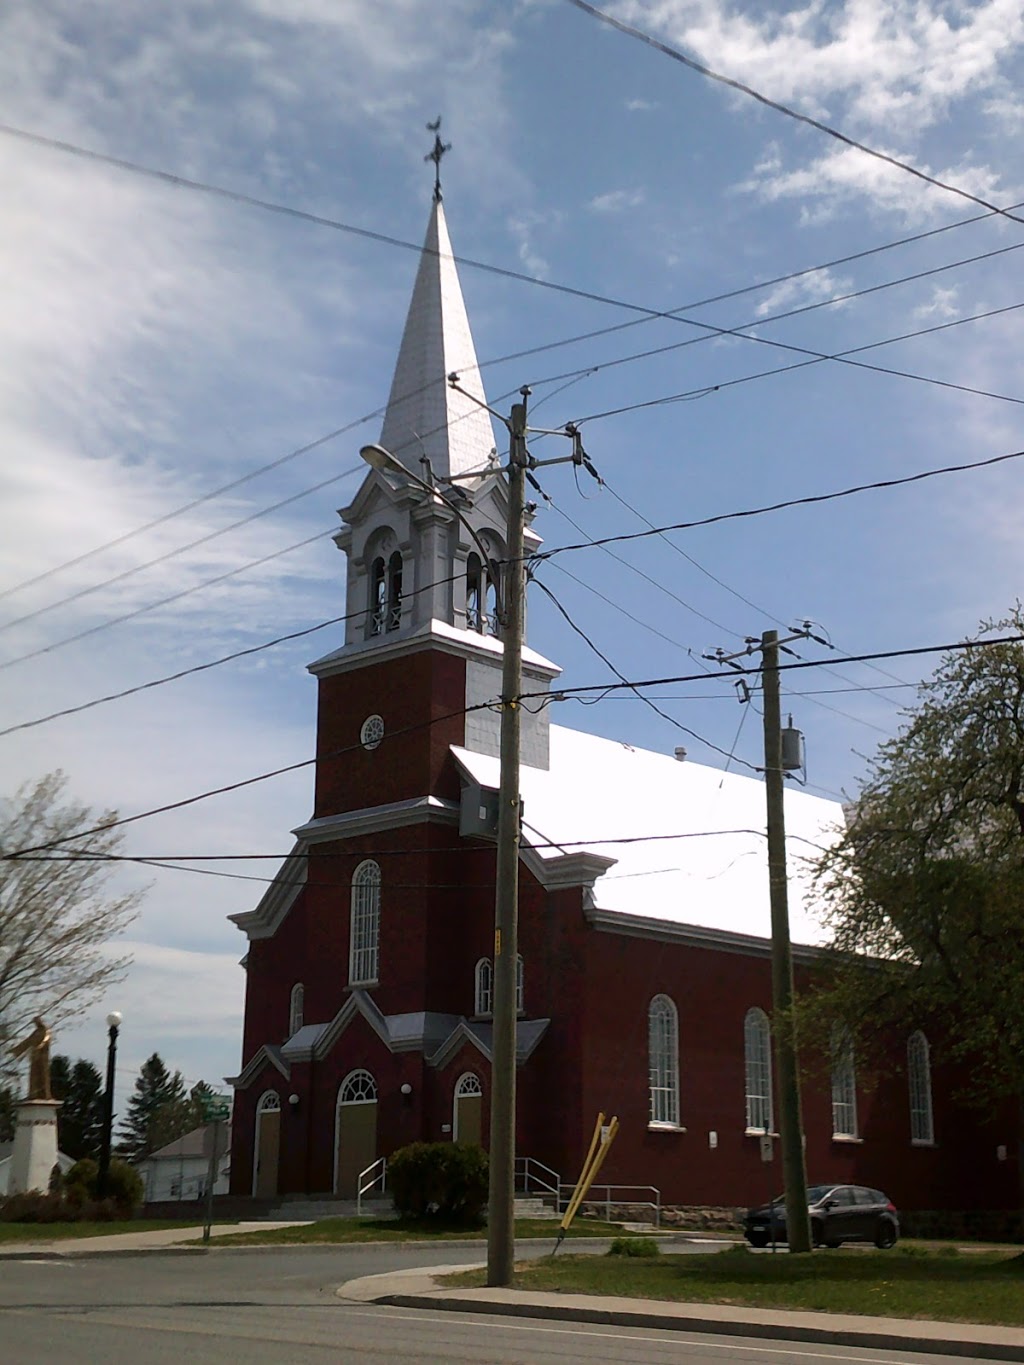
817, 1234
885, 1235
832, 1244
757, 1239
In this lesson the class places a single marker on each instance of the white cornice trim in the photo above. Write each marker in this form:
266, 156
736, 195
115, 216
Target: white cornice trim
567, 869
417, 810
264, 920
357, 1003
255, 1065
694, 935
464, 644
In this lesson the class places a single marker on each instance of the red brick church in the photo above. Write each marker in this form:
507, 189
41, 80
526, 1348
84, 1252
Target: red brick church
644, 977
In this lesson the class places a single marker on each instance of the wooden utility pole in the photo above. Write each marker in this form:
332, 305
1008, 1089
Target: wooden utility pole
501, 1194
791, 1128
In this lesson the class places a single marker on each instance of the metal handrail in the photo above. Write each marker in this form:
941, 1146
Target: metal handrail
368, 1179
610, 1198
544, 1179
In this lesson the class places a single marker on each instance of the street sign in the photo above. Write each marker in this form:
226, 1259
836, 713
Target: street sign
216, 1108
767, 1147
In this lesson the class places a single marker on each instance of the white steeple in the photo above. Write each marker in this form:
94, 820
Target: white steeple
425, 415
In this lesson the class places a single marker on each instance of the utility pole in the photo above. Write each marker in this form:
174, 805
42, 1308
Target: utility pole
791, 1128
510, 590
501, 1191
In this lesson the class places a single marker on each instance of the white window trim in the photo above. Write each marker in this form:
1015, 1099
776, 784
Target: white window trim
362, 954
483, 995
922, 1081
844, 1084
663, 1066
755, 1017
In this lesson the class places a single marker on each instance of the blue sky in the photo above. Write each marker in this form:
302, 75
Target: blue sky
156, 343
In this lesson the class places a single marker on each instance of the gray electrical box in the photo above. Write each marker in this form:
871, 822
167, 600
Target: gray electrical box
792, 748
478, 812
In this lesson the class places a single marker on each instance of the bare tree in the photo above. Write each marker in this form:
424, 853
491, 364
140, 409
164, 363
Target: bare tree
57, 914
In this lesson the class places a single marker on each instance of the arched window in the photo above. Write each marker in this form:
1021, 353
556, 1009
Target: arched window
663, 1061
492, 625
484, 986
358, 1087
295, 1008
919, 1078
364, 942
519, 983
378, 597
394, 616
844, 1085
269, 1103
757, 1059
474, 594
469, 1084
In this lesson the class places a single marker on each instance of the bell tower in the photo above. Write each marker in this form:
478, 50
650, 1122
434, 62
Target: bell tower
420, 628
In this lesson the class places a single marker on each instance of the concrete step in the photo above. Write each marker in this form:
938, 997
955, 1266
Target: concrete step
315, 1209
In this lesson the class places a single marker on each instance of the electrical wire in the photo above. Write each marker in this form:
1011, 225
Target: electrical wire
806, 119
653, 706
806, 501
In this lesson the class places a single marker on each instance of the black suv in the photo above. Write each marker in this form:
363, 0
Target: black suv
839, 1213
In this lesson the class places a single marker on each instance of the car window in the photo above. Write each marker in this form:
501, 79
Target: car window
863, 1196
842, 1194
817, 1192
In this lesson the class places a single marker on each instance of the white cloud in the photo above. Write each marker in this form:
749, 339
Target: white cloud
640, 106
942, 305
806, 289
616, 201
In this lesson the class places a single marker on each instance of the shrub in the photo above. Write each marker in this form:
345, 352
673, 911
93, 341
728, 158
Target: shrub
446, 1181
124, 1186
634, 1246
80, 1181
33, 1206
124, 1189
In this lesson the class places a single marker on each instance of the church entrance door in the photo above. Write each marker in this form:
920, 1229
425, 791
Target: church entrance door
356, 1132
469, 1108
267, 1146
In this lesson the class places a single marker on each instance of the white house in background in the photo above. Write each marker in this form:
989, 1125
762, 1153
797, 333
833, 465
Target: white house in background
180, 1170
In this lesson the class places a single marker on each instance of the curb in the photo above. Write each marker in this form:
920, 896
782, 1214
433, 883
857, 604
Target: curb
607, 1317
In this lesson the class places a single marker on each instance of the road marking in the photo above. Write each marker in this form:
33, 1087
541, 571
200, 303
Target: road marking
913, 1347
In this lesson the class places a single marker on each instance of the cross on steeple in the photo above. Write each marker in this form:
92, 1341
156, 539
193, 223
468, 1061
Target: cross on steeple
436, 154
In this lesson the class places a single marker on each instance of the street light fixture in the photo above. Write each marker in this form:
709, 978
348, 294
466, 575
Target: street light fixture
113, 1024
385, 463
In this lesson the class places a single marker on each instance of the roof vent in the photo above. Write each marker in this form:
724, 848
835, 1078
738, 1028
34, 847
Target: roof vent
680, 754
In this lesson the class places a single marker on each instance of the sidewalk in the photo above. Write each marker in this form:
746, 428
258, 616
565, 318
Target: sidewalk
425, 1289
129, 1243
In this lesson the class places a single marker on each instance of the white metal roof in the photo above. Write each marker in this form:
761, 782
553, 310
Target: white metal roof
599, 789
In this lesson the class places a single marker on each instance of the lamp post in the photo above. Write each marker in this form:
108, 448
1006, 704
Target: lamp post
113, 1024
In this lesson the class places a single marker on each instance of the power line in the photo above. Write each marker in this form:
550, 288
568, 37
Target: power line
737, 669
807, 501
619, 674
744, 89
816, 358
211, 663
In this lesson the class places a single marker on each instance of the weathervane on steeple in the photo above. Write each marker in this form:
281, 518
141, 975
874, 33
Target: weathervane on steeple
436, 154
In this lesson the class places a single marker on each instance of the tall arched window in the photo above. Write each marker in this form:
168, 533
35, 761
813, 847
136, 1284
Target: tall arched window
474, 594
378, 597
364, 941
663, 1061
757, 1059
519, 983
484, 1002
295, 1008
919, 1079
394, 617
844, 1085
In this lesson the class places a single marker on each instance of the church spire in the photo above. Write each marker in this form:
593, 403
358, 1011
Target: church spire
425, 416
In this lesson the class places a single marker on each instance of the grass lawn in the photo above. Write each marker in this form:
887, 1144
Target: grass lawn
47, 1232
912, 1282
402, 1230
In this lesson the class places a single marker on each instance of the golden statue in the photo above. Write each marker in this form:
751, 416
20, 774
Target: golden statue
37, 1045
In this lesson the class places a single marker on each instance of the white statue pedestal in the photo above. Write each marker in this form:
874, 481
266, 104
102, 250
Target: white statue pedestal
35, 1146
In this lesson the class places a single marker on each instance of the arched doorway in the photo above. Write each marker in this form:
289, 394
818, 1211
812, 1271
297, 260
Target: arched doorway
355, 1131
266, 1145
467, 1125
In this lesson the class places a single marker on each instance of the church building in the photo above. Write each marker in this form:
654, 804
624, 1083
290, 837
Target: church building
643, 978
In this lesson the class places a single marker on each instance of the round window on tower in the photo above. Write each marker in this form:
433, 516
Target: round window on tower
372, 732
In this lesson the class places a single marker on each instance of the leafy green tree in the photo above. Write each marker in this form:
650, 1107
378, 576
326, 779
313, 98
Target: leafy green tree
79, 1087
924, 889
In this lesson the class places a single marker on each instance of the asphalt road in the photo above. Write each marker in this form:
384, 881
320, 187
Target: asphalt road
280, 1306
